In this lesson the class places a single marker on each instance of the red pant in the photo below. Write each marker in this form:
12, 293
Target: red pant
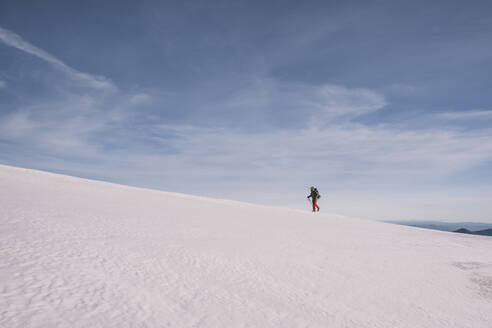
315, 205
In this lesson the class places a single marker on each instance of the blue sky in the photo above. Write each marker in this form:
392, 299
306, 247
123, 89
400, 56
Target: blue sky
384, 105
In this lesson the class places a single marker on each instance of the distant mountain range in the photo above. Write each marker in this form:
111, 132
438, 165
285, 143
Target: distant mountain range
474, 228
486, 232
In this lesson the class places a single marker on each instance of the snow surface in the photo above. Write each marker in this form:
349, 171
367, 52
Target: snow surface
81, 253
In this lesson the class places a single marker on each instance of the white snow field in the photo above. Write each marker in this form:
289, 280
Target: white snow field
82, 253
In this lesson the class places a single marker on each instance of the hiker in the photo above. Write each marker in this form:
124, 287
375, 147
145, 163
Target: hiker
314, 198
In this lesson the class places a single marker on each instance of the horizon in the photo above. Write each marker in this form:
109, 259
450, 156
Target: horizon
386, 107
307, 209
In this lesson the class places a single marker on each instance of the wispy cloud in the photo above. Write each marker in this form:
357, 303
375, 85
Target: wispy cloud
339, 102
2, 84
86, 134
140, 99
285, 104
14, 40
326, 136
466, 115
67, 127
334, 150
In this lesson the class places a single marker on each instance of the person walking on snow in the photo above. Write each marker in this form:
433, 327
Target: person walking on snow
314, 198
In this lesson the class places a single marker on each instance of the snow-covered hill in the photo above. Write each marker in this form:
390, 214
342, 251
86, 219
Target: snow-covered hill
81, 253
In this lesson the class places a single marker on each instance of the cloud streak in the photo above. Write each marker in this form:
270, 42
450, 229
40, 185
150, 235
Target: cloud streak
14, 40
326, 135
466, 115
341, 149
81, 136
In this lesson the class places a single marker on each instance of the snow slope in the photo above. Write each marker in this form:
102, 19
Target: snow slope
81, 253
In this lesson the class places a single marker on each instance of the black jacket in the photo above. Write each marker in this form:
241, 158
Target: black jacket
314, 194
